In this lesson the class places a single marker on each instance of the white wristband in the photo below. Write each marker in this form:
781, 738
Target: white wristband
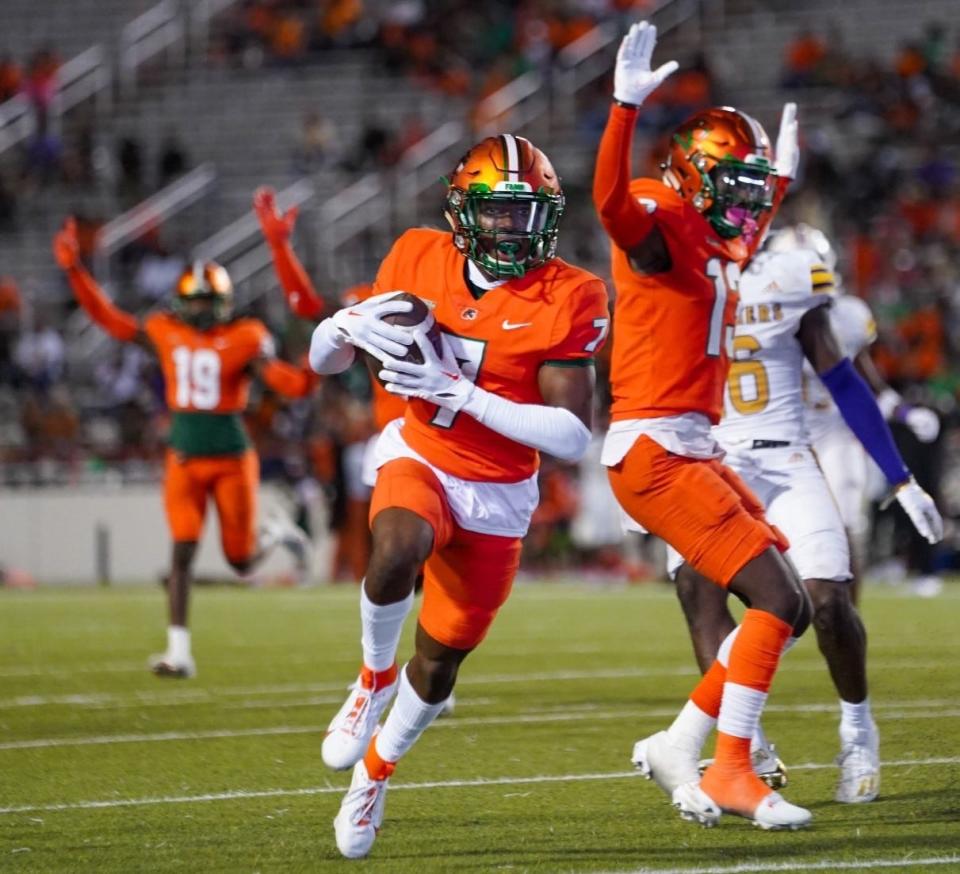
553, 430
329, 350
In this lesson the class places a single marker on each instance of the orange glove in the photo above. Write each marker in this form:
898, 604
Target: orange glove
116, 322
298, 290
66, 246
276, 227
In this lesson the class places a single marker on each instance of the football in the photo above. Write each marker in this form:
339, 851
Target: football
416, 316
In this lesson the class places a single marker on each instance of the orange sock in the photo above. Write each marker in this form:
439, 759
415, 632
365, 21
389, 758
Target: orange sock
754, 657
377, 680
709, 691
377, 768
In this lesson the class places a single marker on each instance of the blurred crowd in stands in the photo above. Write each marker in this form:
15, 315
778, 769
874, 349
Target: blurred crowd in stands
880, 174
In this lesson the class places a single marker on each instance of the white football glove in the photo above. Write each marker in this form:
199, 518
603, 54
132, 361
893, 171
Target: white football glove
919, 506
924, 423
362, 326
787, 155
633, 80
438, 380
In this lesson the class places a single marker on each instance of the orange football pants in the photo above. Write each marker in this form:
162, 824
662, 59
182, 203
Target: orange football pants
468, 575
232, 481
699, 506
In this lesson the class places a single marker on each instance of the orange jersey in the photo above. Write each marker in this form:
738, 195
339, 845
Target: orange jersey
207, 371
556, 314
673, 329
386, 407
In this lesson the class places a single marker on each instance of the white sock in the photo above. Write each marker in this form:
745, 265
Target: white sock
691, 727
723, 654
856, 721
408, 719
381, 627
178, 642
740, 710
759, 740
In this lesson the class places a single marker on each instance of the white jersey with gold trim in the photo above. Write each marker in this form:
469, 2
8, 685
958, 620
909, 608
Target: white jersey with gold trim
855, 329
764, 396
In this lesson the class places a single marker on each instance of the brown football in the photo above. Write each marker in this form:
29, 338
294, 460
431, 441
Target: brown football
416, 316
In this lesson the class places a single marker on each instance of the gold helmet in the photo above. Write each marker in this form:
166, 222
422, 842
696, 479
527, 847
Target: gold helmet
203, 296
504, 204
720, 161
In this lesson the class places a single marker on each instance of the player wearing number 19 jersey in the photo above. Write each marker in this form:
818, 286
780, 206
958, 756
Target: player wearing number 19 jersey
456, 482
208, 359
678, 246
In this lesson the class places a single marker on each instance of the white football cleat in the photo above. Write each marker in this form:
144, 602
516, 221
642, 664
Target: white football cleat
859, 770
361, 813
165, 665
277, 528
776, 813
449, 705
668, 765
349, 732
694, 805
766, 765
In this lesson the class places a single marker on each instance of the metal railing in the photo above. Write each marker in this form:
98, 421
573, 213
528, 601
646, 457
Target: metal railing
157, 208
159, 29
242, 234
86, 75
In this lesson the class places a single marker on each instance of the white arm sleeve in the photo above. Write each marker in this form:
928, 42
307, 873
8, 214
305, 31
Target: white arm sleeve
550, 429
329, 351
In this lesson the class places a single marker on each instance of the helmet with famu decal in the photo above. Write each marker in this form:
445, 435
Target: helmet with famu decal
504, 204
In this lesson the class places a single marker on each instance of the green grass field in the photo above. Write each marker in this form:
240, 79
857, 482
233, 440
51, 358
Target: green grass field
105, 768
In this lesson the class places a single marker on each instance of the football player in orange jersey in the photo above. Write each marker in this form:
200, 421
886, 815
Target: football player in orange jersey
457, 476
677, 250
208, 359
303, 300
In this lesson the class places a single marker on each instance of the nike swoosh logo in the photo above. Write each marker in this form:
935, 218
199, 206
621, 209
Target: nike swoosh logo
512, 326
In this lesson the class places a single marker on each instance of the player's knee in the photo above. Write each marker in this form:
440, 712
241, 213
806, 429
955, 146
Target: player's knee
400, 547
831, 605
704, 603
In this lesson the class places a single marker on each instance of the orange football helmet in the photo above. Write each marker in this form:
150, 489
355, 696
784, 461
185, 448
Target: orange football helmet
203, 296
504, 204
721, 161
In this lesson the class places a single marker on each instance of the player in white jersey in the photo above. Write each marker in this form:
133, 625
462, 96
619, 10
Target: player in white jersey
842, 457
783, 320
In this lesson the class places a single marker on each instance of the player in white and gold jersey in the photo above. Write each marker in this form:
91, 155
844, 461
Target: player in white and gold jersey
782, 321
842, 457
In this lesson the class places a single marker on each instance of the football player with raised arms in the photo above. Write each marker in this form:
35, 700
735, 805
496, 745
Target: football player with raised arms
678, 246
208, 358
457, 477
784, 325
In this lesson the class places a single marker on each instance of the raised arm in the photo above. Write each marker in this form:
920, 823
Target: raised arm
301, 296
116, 322
625, 220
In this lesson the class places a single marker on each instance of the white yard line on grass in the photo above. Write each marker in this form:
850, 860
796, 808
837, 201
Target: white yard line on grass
174, 696
822, 865
535, 717
241, 794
